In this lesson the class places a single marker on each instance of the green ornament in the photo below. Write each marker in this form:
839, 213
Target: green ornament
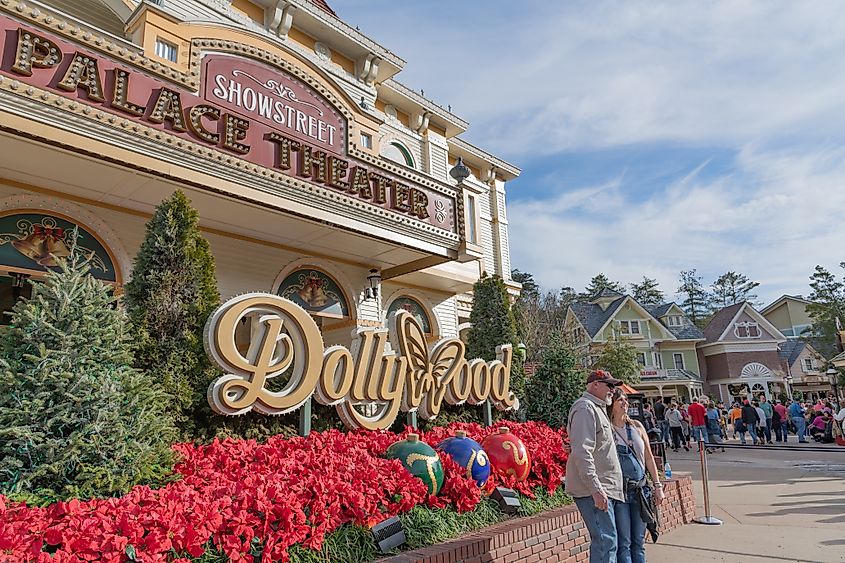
420, 459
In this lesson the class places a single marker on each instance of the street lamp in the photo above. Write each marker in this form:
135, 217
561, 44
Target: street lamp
833, 378
788, 379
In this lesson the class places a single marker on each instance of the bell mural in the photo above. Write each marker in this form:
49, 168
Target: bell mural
36, 241
287, 346
507, 454
420, 460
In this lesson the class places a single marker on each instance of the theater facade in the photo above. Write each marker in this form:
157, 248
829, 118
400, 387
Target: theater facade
317, 174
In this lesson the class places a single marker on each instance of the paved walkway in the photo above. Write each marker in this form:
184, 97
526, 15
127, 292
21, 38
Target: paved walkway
775, 505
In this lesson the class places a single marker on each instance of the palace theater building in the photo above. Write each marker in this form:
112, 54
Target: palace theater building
317, 174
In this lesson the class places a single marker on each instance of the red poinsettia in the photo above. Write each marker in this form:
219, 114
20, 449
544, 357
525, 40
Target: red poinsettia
245, 497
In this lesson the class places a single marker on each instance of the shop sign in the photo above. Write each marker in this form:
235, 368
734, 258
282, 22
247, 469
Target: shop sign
254, 112
368, 384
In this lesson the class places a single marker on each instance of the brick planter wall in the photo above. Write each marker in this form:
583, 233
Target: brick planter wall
557, 535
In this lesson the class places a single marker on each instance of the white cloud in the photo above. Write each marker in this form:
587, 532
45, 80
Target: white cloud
773, 219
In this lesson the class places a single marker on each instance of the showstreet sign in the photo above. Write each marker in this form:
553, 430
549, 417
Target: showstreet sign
287, 345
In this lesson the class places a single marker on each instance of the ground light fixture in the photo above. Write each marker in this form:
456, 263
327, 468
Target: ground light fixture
373, 283
507, 500
388, 534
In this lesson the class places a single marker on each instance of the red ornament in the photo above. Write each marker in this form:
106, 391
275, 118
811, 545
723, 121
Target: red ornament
507, 454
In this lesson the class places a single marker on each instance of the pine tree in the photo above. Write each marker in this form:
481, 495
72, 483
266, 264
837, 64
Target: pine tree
556, 384
647, 292
695, 298
620, 359
76, 420
828, 306
731, 288
598, 283
172, 292
493, 324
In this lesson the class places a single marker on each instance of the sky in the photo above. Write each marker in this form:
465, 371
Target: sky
653, 137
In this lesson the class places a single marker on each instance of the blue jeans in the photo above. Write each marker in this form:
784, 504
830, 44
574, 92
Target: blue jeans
698, 433
666, 433
602, 527
768, 430
800, 427
631, 531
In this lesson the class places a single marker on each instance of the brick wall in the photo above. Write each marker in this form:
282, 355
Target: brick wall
557, 535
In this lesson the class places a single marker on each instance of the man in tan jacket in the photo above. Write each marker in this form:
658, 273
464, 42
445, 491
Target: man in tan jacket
593, 473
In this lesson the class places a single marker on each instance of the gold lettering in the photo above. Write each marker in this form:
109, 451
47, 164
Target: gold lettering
380, 186
284, 147
198, 128
83, 73
286, 340
34, 51
337, 173
312, 164
120, 96
168, 107
360, 183
236, 129
400, 197
419, 204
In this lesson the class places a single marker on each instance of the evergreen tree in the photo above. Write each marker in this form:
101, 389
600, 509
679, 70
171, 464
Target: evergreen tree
731, 288
172, 293
827, 310
556, 384
598, 283
620, 359
530, 288
647, 292
76, 420
493, 324
695, 298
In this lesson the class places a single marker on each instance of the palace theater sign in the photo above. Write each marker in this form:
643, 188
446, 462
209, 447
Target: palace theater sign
248, 109
285, 365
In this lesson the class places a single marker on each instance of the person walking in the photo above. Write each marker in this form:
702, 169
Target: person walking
635, 457
660, 419
749, 423
769, 414
698, 420
593, 473
714, 429
761, 422
675, 420
685, 426
735, 419
796, 413
782, 427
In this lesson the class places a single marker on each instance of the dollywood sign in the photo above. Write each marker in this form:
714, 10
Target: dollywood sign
286, 364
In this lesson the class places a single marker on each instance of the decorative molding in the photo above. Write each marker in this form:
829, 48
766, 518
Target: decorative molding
352, 296
436, 330
323, 52
729, 347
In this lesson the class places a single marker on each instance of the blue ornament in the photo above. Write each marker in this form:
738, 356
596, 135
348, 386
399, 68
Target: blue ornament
467, 453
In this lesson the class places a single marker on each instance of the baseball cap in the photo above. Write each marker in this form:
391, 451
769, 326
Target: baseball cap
604, 377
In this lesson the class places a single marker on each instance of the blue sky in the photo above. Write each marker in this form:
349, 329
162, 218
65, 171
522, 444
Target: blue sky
653, 136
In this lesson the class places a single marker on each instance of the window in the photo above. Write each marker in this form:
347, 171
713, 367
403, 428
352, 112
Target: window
472, 227
679, 360
808, 364
747, 329
675, 320
166, 50
366, 141
658, 360
629, 327
641, 359
398, 153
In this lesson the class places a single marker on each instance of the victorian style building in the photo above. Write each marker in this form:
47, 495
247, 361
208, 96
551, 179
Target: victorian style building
317, 174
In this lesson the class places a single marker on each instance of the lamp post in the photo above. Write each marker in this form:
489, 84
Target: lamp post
833, 378
788, 379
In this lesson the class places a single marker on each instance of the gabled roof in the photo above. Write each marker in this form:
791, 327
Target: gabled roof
592, 317
790, 350
777, 302
606, 292
323, 5
720, 321
687, 332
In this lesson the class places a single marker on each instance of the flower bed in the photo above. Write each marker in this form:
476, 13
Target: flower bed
248, 499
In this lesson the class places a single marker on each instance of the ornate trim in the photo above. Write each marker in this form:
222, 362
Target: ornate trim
328, 268
436, 330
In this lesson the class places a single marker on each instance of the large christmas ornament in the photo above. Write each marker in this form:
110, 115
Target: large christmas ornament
507, 454
420, 459
468, 454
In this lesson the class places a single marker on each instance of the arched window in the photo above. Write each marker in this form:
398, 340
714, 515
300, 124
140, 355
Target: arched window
755, 369
414, 307
316, 292
397, 152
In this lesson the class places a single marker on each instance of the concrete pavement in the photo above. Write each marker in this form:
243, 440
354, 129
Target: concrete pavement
775, 505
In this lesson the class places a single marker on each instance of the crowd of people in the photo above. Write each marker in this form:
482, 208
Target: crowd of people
755, 421
611, 472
